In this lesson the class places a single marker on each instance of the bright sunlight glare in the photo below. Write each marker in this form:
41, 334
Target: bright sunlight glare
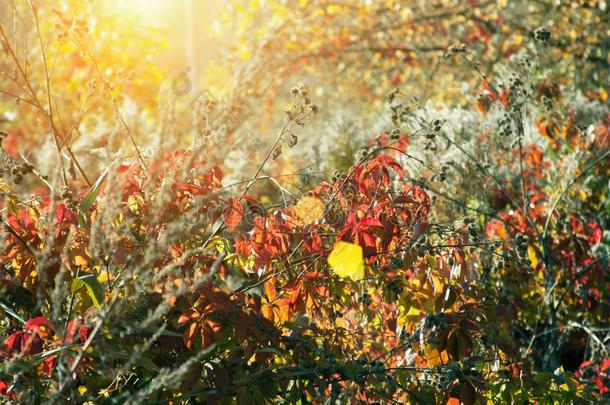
147, 8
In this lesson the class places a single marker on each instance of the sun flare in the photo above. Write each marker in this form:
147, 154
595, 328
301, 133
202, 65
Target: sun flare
147, 8
304, 202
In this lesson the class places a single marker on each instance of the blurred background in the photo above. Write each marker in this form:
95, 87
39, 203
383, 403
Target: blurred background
156, 66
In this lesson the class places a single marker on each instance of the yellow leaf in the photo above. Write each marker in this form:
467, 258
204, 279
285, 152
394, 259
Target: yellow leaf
81, 260
309, 210
4, 187
134, 202
347, 260
519, 39
220, 244
333, 9
104, 277
583, 196
533, 258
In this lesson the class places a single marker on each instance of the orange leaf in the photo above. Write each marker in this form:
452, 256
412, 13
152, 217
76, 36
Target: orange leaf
233, 214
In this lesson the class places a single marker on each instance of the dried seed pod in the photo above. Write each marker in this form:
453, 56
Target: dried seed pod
542, 34
277, 152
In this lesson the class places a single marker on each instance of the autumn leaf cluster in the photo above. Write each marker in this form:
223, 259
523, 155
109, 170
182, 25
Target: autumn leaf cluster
457, 254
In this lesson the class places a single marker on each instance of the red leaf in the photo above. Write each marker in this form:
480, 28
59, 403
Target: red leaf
24, 342
209, 330
189, 335
64, 215
233, 214
490, 90
369, 222
249, 198
596, 233
4, 390
14, 342
40, 325
47, 365
190, 315
76, 331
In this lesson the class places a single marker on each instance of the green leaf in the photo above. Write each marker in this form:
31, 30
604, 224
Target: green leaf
271, 350
122, 352
94, 289
86, 203
12, 313
543, 378
292, 326
92, 194
352, 370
